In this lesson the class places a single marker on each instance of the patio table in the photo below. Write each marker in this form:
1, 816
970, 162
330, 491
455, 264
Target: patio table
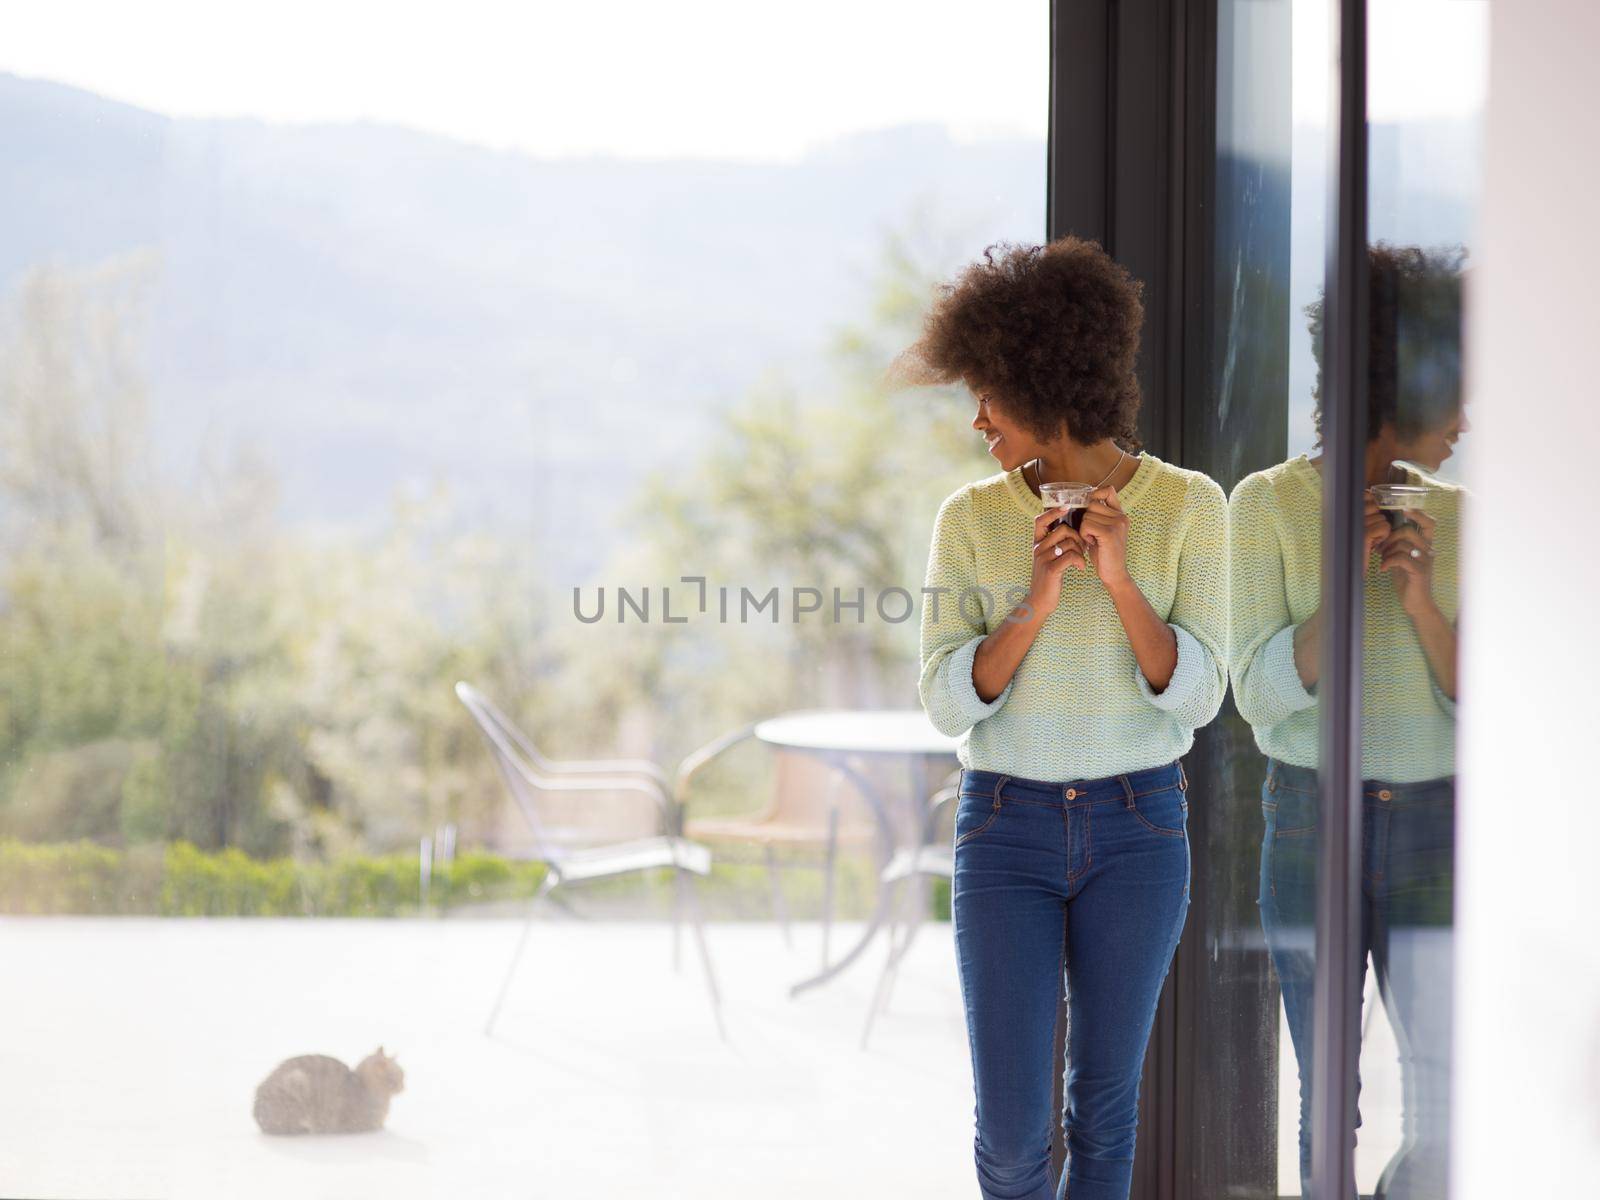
845, 737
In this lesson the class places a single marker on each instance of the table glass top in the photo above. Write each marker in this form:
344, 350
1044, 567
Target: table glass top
901, 731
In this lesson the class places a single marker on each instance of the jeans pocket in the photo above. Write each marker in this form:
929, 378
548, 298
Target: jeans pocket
975, 812
1165, 812
1295, 813
1288, 882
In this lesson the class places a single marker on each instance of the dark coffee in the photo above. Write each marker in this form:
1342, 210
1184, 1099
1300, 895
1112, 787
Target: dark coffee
1074, 518
1074, 497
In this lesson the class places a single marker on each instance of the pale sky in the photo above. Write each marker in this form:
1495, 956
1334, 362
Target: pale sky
658, 78
1425, 58
639, 78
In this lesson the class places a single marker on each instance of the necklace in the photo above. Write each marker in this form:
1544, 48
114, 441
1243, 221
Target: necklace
1038, 469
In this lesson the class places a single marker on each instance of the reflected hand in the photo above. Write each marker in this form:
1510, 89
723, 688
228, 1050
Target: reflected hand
1407, 554
1376, 530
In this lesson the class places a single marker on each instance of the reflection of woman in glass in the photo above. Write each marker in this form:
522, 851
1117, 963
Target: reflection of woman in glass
1408, 692
1074, 660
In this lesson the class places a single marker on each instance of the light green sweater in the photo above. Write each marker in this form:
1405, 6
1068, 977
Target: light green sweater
1078, 706
1275, 535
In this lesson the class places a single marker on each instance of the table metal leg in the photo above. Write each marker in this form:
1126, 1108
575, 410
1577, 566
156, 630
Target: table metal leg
886, 842
779, 905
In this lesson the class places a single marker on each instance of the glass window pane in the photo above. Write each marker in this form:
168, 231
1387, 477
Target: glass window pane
349, 352
1273, 131
1424, 146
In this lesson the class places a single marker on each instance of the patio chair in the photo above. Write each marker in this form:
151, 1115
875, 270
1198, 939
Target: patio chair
932, 856
804, 810
535, 782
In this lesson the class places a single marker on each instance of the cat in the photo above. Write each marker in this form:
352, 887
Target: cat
314, 1093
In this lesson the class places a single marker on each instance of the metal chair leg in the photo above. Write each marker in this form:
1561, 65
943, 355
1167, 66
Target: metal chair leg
827, 892
880, 992
779, 906
918, 892
705, 954
677, 921
892, 922
919, 901
545, 888
567, 905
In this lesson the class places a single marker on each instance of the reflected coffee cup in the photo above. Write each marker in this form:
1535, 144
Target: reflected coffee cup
1074, 497
1394, 498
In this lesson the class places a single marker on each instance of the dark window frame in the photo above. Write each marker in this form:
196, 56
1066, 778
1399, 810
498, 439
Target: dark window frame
1131, 163
1335, 1021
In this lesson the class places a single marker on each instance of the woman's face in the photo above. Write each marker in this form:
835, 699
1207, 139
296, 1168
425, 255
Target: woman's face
1431, 447
1008, 442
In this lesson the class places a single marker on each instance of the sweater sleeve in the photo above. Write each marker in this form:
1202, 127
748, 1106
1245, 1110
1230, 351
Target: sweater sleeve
1266, 686
1446, 703
1199, 612
952, 631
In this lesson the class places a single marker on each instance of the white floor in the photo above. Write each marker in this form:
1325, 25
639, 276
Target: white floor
1380, 1098
130, 1050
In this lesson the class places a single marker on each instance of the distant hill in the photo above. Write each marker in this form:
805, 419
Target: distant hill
369, 305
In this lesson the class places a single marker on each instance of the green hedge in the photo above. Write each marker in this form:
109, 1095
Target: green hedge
180, 880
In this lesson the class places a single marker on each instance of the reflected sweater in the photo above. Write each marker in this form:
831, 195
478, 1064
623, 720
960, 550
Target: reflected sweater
1078, 706
1407, 723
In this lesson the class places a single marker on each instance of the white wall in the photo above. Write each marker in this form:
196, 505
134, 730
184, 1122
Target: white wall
1528, 1048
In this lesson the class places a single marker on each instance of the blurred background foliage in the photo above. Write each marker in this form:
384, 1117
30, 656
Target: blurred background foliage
182, 674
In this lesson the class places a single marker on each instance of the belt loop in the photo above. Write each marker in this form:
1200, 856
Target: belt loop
1183, 778
998, 784
1127, 791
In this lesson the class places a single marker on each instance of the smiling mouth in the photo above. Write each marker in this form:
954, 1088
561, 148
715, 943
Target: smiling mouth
992, 439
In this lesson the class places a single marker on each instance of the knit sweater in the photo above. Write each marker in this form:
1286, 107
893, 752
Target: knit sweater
1275, 538
1078, 706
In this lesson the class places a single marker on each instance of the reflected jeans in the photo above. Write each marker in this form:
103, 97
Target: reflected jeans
1085, 882
1407, 856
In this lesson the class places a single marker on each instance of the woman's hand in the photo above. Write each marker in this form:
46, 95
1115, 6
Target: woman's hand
1105, 529
1054, 550
1407, 554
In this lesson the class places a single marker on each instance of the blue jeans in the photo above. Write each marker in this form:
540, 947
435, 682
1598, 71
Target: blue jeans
1407, 856
1086, 883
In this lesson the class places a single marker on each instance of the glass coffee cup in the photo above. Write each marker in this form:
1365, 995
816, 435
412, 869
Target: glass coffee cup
1394, 498
1074, 497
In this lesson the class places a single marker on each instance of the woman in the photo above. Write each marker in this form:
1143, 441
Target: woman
1409, 559
1074, 664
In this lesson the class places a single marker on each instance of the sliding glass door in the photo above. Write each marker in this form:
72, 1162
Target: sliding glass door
1314, 179
1346, 184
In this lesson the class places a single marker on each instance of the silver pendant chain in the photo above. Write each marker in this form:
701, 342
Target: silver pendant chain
1038, 469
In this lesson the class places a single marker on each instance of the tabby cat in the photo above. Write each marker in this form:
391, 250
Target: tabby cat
318, 1094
